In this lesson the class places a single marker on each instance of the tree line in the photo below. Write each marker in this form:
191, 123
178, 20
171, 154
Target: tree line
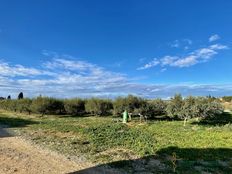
176, 107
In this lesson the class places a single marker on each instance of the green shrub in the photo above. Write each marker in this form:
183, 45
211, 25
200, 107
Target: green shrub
159, 107
174, 106
130, 103
192, 107
48, 105
188, 109
98, 106
74, 106
10, 105
24, 105
207, 108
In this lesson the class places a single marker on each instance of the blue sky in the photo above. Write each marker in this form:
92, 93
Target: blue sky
85, 48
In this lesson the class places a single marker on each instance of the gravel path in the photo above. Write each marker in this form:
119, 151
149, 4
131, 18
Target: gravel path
22, 157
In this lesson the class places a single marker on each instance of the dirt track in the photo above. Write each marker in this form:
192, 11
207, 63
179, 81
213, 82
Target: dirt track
20, 156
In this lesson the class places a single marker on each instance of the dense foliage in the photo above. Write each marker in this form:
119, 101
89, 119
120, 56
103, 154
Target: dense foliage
129, 103
176, 107
193, 107
97, 106
227, 98
74, 106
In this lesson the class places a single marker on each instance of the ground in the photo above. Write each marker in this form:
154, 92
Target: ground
20, 156
65, 144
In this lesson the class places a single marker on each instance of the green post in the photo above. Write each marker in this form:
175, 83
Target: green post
125, 117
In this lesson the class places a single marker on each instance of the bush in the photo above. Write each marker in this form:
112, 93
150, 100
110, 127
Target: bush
48, 105
174, 106
130, 103
146, 109
188, 109
24, 105
7, 105
74, 106
192, 107
151, 108
120, 105
159, 107
206, 108
56, 106
98, 106
11, 105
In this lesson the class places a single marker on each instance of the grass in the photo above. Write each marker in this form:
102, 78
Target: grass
152, 146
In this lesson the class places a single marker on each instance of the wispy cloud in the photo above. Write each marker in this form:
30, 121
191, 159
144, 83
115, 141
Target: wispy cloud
60, 76
151, 64
214, 38
18, 70
64, 77
183, 43
198, 56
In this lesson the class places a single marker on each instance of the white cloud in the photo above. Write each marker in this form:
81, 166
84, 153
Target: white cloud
168, 60
63, 77
151, 64
185, 62
198, 56
75, 78
69, 64
214, 38
218, 47
18, 70
183, 43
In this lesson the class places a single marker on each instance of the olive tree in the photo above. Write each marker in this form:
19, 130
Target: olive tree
205, 108
24, 105
98, 106
174, 106
188, 109
74, 106
45, 105
159, 107
130, 103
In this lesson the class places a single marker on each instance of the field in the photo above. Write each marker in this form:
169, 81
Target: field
156, 146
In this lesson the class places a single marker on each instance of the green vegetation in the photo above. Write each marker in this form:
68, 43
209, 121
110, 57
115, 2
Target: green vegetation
99, 107
203, 145
227, 98
162, 144
177, 107
74, 106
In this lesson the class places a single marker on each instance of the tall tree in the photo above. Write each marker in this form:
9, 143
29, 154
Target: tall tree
20, 96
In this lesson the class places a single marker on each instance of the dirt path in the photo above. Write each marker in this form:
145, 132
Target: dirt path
20, 156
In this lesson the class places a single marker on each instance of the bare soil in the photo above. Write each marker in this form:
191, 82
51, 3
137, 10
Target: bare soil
21, 156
